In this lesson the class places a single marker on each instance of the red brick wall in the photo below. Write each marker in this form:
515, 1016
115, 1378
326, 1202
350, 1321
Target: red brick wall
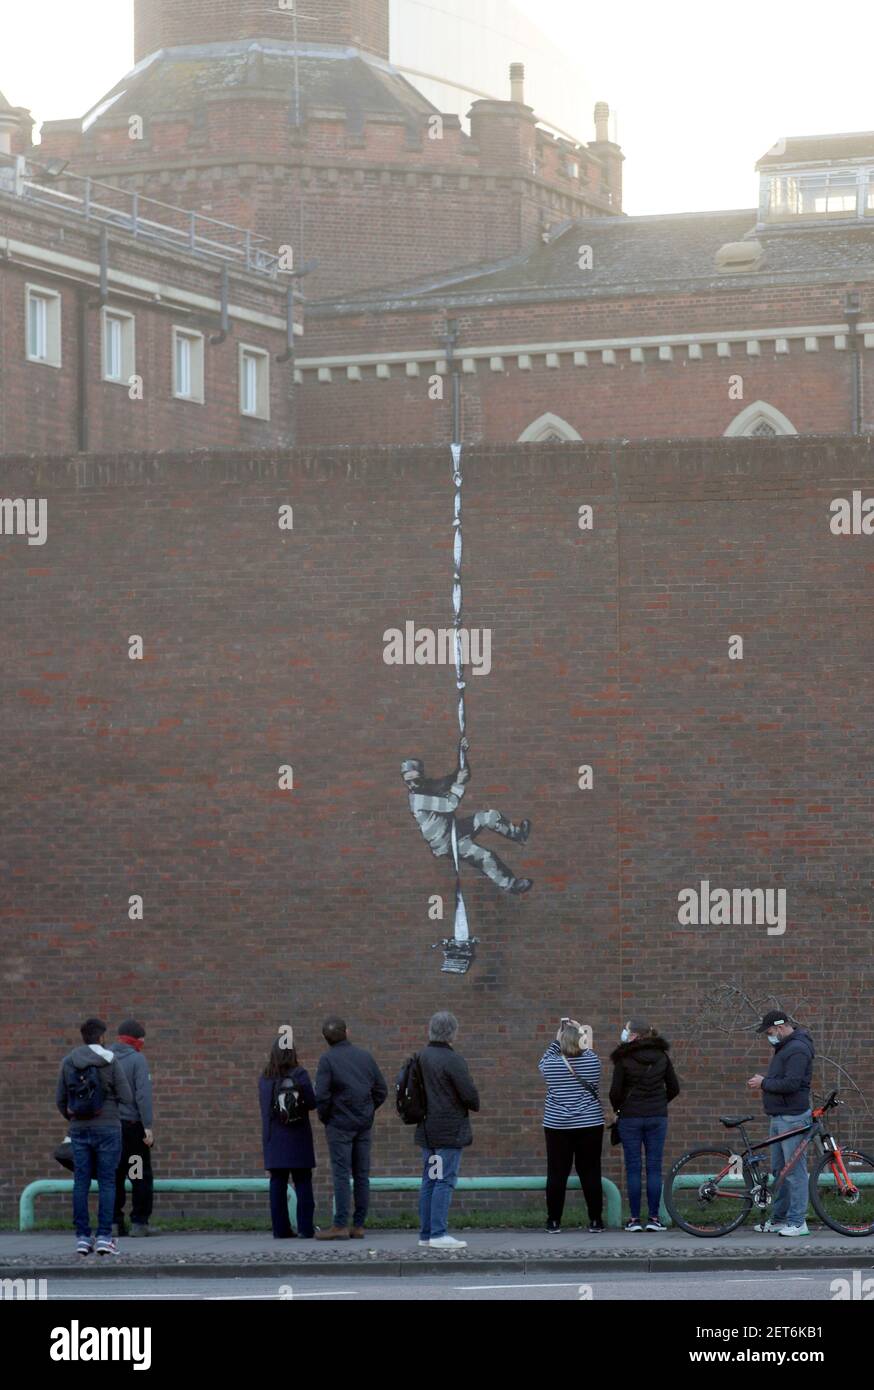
40, 403
170, 23
373, 211
264, 648
653, 399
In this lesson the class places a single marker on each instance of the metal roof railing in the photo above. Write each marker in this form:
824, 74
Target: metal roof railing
147, 219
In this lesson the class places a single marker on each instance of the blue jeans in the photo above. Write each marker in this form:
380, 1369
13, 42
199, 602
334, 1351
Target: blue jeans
350, 1158
435, 1194
96, 1154
790, 1198
649, 1131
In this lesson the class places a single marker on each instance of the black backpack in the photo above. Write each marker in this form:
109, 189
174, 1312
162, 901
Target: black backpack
288, 1103
85, 1098
410, 1096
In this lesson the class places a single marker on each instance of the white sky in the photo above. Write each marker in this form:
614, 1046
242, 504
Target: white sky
702, 88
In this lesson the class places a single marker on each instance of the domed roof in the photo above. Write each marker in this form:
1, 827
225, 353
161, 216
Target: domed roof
331, 78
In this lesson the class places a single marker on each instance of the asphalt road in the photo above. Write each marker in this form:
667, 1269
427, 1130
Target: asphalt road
719, 1286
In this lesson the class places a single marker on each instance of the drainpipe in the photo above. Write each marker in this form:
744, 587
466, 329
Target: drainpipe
82, 374
451, 342
853, 312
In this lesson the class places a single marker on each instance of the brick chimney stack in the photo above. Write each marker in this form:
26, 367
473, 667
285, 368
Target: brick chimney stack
16, 128
504, 131
173, 23
610, 153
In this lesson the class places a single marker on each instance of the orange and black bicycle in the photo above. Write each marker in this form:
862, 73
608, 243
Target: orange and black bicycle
841, 1181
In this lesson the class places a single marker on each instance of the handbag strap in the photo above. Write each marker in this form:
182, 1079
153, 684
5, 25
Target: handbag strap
592, 1090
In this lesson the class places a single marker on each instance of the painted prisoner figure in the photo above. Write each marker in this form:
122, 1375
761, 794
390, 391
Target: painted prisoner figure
433, 804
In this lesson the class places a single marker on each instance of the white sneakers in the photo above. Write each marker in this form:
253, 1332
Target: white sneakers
780, 1228
446, 1243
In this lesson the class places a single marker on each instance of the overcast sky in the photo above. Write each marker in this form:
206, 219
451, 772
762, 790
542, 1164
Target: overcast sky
701, 88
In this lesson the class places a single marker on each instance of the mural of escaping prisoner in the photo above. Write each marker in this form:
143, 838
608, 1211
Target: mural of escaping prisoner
433, 804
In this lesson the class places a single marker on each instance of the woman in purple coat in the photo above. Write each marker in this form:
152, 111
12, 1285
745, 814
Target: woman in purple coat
288, 1148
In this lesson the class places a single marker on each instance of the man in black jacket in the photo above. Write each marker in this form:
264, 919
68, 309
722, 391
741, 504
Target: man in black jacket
785, 1092
450, 1095
349, 1088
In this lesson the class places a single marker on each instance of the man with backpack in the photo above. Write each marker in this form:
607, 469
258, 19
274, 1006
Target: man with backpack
91, 1085
350, 1088
136, 1132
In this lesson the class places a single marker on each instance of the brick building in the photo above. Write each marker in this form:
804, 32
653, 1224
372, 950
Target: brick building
669, 326
569, 319
322, 144
123, 319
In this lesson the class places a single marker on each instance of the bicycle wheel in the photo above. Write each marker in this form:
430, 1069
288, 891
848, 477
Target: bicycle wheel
838, 1197
702, 1195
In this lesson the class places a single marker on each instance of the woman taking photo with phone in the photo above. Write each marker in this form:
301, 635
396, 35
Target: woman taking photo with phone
573, 1124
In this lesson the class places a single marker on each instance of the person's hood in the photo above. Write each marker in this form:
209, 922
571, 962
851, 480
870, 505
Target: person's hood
642, 1048
800, 1038
122, 1049
91, 1055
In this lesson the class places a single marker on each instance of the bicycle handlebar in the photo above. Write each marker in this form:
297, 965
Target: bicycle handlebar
830, 1103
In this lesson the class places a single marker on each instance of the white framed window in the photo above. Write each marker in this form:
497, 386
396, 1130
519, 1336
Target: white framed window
119, 348
188, 365
43, 326
254, 382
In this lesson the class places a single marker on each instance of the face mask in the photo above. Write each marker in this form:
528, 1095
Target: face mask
773, 1039
624, 1035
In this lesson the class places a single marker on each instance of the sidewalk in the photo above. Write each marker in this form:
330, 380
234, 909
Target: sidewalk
40, 1254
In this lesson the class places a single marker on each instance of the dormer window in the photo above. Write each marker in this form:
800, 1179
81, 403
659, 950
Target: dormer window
818, 178
819, 193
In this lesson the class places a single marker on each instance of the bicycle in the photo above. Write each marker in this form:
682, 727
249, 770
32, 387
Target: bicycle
717, 1205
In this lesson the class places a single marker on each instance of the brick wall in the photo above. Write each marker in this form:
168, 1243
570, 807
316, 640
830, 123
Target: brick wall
170, 23
372, 210
681, 398
264, 648
39, 410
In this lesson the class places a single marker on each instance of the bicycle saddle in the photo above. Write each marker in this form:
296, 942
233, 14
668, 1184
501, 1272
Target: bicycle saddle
733, 1124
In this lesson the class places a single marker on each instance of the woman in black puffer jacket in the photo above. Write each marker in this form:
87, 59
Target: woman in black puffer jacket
644, 1083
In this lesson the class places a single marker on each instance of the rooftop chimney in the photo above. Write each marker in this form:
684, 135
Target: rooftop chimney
517, 83
602, 122
16, 127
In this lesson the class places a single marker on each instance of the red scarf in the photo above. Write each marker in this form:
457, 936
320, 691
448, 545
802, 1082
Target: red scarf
138, 1043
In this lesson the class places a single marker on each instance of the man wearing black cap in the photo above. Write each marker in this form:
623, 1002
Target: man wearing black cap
786, 1096
136, 1132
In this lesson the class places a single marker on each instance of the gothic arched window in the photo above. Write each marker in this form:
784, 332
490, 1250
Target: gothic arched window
548, 429
761, 420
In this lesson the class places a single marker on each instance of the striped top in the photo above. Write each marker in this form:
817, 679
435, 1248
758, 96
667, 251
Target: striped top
568, 1104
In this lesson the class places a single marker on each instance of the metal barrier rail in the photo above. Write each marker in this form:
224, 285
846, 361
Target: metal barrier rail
612, 1197
27, 1201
